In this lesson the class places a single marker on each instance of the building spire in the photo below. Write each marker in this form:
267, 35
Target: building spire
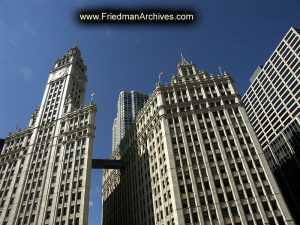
183, 60
92, 96
220, 70
74, 50
181, 56
76, 44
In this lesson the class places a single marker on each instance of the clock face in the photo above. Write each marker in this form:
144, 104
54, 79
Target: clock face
59, 73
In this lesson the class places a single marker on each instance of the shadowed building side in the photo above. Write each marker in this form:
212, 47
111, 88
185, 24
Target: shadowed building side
273, 106
1, 144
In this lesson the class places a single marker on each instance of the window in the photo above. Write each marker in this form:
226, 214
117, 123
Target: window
58, 212
64, 211
72, 209
195, 217
32, 219
187, 218
47, 215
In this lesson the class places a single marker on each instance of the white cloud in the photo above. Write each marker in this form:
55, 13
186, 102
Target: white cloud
12, 42
26, 73
2, 25
29, 29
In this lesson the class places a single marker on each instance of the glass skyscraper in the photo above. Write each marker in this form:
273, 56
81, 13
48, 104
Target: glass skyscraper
129, 103
272, 103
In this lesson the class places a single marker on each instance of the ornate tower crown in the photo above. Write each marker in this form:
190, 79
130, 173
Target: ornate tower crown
184, 62
185, 68
74, 51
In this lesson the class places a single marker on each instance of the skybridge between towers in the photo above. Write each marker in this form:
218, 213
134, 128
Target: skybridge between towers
107, 164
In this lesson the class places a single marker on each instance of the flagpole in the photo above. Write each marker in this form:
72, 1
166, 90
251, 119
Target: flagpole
92, 97
159, 76
220, 69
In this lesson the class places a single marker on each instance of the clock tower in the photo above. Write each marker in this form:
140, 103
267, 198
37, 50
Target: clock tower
45, 169
69, 76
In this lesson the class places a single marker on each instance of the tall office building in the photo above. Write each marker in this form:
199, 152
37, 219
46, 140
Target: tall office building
45, 168
272, 103
129, 103
272, 100
192, 157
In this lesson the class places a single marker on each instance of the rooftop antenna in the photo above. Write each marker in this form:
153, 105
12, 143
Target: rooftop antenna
181, 56
92, 96
220, 69
76, 44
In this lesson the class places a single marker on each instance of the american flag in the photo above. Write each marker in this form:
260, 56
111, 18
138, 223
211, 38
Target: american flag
161, 74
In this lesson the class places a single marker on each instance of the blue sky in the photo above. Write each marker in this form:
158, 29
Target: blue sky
238, 35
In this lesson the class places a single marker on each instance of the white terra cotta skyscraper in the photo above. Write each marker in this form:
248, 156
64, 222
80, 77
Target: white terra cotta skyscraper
45, 169
192, 157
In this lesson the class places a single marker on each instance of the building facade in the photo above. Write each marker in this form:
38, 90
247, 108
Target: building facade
192, 157
272, 100
129, 103
45, 168
288, 173
273, 104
